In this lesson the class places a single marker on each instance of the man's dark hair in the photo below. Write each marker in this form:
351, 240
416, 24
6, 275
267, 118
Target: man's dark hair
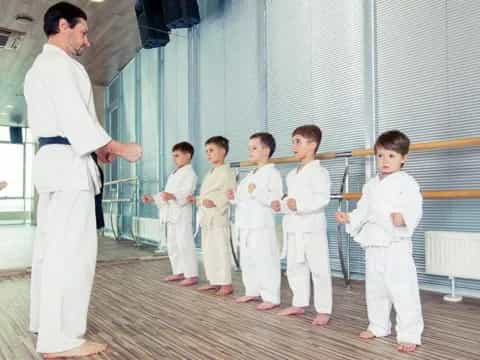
62, 10
184, 147
309, 132
267, 140
219, 141
393, 140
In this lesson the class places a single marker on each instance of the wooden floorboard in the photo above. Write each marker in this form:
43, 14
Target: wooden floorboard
142, 317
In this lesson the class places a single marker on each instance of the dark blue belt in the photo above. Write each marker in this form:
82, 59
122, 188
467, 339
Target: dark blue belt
53, 140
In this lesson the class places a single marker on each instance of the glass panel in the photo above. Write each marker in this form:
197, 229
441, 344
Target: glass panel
4, 133
11, 169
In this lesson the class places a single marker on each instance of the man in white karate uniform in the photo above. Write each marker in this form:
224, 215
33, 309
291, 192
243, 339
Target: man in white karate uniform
62, 117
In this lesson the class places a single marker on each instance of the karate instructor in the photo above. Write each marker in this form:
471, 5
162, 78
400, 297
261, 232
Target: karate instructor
61, 114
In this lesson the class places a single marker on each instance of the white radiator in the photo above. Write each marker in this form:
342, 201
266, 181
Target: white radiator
150, 229
453, 254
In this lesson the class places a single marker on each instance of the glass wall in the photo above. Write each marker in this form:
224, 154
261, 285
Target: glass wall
16, 169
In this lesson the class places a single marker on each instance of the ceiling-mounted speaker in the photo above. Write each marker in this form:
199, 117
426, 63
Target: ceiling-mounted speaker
181, 13
151, 23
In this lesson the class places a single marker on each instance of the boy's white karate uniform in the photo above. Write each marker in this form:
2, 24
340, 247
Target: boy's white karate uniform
60, 103
177, 216
255, 223
215, 224
306, 244
391, 276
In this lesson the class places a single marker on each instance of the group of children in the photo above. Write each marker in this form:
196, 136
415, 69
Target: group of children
383, 223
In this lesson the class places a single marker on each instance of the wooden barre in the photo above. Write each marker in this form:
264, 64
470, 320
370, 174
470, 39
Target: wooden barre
432, 194
418, 147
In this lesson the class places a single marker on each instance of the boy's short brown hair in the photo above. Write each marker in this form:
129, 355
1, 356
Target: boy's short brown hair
267, 140
219, 141
309, 132
184, 147
393, 140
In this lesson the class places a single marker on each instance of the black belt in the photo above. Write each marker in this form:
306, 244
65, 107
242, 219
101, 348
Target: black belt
42, 141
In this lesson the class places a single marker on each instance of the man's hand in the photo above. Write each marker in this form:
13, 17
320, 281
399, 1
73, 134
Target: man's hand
104, 156
251, 188
130, 152
191, 199
3, 185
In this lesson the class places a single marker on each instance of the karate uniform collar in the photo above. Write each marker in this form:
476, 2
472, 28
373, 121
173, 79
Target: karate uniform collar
54, 48
315, 162
258, 169
177, 170
391, 176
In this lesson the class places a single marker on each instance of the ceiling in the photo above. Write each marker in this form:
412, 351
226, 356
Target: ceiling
112, 31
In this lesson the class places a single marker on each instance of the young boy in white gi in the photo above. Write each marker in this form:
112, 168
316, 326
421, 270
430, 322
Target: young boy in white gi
305, 227
213, 206
383, 223
176, 213
259, 253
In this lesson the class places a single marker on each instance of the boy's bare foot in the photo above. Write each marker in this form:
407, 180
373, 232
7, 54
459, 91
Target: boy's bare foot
177, 277
225, 290
266, 305
292, 310
367, 335
189, 281
321, 320
208, 287
88, 348
245, 299
406, 347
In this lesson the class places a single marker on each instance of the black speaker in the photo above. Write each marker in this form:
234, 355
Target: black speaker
181, 13
16, 136
151, 23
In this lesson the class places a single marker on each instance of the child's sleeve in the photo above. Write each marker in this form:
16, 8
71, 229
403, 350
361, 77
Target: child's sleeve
186, 188
358, 216
319, 197
272, 191
410, 206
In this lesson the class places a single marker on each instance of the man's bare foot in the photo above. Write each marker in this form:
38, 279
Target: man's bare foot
406, 347
245, 299
321, 320
225, 290
367, 334
292, 310
266, 305
177, 277
86, 349
189, 281
208, 287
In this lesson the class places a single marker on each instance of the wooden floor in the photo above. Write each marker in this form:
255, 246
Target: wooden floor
142, 317
110, 249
